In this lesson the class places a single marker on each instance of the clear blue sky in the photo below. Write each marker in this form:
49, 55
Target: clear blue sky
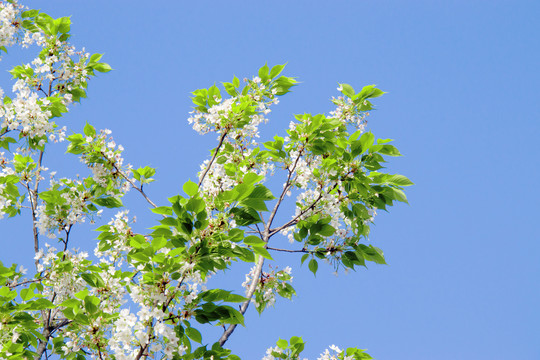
462, 80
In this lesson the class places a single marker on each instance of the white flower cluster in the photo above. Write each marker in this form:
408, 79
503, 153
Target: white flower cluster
204, 122
328, 204
148, 326
113, 169
321, 185
270, 353
318, 195
270, 284
9, 25
217, 179
118, 245
61, 280
335, 355
58, 74
41, 83
303, 167
112, 292
57, 217
59, 66
277, 351
221, 116
26, 113
5, 200
347, 113
236, 153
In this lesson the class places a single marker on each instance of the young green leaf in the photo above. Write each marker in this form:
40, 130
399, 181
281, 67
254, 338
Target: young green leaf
313, 266
190, 188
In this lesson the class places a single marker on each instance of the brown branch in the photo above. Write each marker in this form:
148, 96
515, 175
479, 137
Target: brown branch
33, 203
295, 219
243, 308
131, 182
290, 251
11, 286
216, 151
43, 344
265, 236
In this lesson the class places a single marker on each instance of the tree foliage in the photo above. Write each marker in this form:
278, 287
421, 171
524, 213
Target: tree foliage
144, 294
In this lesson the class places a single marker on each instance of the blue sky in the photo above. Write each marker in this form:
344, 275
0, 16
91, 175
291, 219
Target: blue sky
462, 80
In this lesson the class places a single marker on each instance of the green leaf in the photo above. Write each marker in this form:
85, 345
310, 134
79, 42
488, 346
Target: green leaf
399, 195
245, 216
236, 235
389, 150
282, 344
45, 23
254, 241
370, 91
276, 70
102, 67
251, 178
263, 72
162, 210
89, 130
283, 84
190, 188
63, 25
194, 334
235, 298
230, 89
29, 13
399, 180
91, 304
366, 140
170, 221
313, 266
90, 279
71, 303
347, 90
81, 294
94, 59
26, 294
371, 253
262, 251
108, 202
326, 230
41, 304
159, 243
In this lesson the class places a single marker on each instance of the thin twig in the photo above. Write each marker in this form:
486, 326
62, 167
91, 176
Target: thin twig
11, 286
221, 139
132, 184
290, 251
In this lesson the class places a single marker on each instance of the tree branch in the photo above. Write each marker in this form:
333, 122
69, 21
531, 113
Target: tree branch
11, 286
33, 203
265, 236
289, 250
252, 287
140, 190
221, 139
